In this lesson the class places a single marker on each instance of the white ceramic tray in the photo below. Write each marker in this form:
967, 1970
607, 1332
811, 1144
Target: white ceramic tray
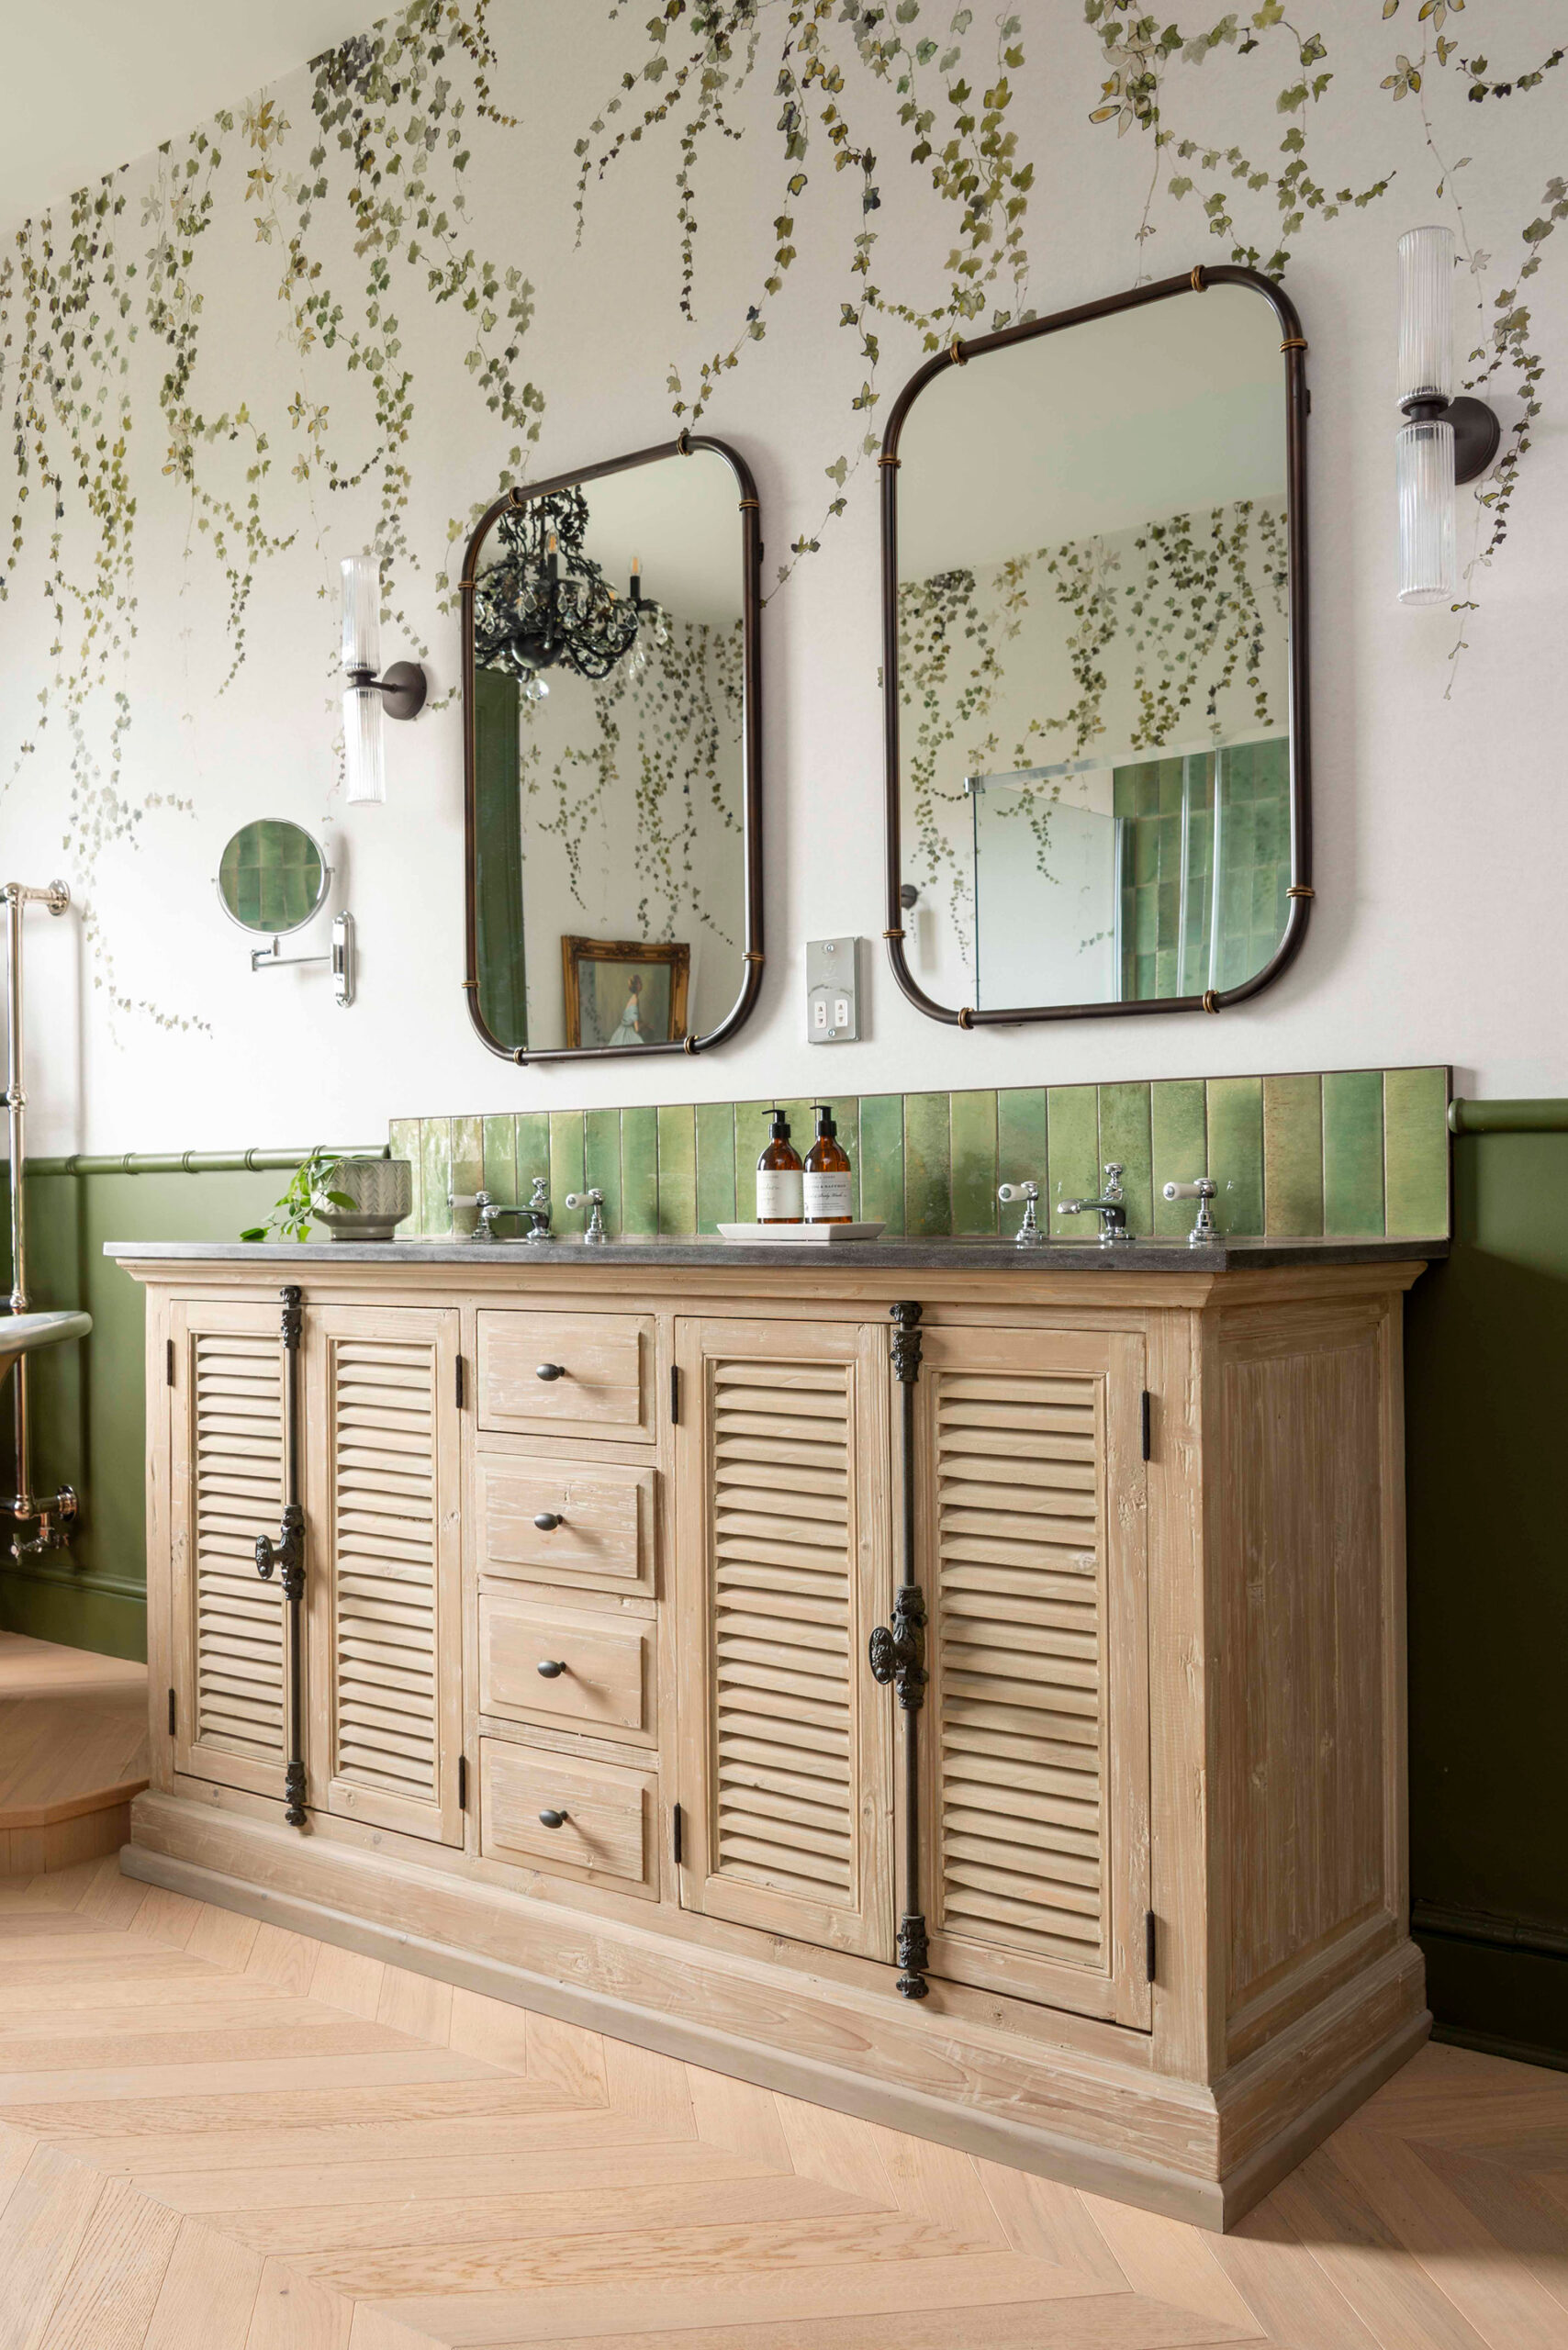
810, 1236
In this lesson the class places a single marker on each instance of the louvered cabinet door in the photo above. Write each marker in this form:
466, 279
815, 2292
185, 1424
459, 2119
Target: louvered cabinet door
783, 1537
1035, 1725
383, 1566
226, 1488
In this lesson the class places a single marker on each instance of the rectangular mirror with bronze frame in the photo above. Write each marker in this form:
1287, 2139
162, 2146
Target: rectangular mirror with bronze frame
612, 757
1096, 674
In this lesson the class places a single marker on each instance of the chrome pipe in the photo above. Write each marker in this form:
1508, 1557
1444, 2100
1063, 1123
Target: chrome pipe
59, 1508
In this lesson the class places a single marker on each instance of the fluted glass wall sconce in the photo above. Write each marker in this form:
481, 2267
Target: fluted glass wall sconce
367, 698
1443, 440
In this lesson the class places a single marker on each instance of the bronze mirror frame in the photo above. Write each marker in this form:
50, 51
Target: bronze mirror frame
1292, 348
685, 445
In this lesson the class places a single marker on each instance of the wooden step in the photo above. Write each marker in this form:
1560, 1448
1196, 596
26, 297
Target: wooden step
73, 1753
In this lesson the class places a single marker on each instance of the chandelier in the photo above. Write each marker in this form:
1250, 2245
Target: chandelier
546, 603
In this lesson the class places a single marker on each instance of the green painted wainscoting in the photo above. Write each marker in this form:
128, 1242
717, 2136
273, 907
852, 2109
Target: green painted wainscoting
1351, 1152
1487, 1386
89, 1425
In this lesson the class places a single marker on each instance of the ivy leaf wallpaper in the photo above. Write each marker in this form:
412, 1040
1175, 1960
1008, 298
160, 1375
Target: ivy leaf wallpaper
486, 241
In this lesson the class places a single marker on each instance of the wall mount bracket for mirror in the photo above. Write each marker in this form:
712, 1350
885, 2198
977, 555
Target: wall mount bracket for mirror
486, 912
341, 957
272, 880
896, 468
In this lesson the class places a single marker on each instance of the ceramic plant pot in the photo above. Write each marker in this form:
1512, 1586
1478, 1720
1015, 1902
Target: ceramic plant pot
383, 1192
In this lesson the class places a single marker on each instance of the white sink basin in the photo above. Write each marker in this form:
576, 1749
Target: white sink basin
19, 1333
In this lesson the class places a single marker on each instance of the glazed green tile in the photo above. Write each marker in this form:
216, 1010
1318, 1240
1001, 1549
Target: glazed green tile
639, 1171
928, 1165
1352, 1153
500, 1159
1416, 1151
533, 1151
1236, 1152
601, 1162
677, 1169
565, 1166
1179, 1138
1125, 1136
435, 1154
1021, 1136
1293, 1154
972, 1126
467, 1173
403, 1138
1072, 1135
881, 1160
716, 1200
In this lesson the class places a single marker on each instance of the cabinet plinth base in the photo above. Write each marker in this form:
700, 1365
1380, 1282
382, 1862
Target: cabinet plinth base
1193, 2152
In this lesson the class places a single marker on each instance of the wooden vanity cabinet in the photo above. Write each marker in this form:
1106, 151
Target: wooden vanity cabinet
593, 1557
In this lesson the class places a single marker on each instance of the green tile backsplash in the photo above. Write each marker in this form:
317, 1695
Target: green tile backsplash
1350, 1153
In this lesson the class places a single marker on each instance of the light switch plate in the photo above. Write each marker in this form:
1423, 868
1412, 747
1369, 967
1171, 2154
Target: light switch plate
832, 993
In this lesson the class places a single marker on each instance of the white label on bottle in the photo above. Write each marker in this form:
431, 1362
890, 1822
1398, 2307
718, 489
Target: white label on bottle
827, 1197
778, 1196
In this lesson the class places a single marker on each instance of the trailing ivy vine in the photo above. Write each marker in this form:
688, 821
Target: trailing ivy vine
860, 108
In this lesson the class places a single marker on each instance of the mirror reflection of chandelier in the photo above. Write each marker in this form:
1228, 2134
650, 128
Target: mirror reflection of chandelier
546, 603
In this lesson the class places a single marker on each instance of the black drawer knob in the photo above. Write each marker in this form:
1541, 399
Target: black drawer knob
551, 1669
548, 1520
551, 1819
551, 1370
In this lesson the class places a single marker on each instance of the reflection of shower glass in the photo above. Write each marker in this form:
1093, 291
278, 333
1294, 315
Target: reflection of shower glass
1048, 885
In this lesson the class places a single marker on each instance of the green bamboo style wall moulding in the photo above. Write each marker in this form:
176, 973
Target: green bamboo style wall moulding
1347, 1152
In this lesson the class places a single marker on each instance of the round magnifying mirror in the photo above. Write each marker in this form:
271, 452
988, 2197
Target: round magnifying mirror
273, 876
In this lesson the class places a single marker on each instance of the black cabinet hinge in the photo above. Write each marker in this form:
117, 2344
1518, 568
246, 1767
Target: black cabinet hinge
171, 1713
463, 1783
1150, 1944
674, 1833
675, 1395
1147, 1414
457, 1383
169, 1363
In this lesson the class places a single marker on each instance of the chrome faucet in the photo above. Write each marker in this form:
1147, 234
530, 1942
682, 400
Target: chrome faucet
1029, 1235
1205, 1232
1110, 1208
537, 1212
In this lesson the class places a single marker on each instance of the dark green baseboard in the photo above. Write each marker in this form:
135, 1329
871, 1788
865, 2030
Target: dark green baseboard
103, 1613
1499, 1997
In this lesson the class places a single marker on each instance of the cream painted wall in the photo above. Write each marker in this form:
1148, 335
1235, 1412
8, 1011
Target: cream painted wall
1440, 803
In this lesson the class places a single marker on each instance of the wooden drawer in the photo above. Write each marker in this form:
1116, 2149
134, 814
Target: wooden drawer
606, 1683
606, 1836
570, 1374
604, 1538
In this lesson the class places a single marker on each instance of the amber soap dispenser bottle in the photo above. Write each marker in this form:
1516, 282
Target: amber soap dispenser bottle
828, 1199
779, 1177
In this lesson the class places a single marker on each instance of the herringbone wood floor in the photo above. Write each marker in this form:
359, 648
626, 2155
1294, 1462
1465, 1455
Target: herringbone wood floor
215, 2135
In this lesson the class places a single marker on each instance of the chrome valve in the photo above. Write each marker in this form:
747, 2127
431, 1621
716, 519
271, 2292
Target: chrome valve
594, 1201
1028, 1233
1205, 1232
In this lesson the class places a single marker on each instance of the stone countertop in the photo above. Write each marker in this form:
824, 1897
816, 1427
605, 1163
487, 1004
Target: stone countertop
978, 1255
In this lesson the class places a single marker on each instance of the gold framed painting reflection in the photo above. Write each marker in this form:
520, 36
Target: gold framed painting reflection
623, 992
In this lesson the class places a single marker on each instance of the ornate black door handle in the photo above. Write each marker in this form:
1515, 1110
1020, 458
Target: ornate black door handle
897, 1652
286, 1557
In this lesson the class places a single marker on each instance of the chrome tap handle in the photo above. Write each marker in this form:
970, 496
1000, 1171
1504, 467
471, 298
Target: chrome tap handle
1205, 1232
1028, 1233
594, 1200
538, 1210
